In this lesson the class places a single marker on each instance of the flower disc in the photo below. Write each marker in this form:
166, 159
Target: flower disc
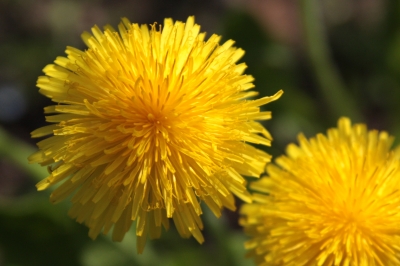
148, 123
332, 200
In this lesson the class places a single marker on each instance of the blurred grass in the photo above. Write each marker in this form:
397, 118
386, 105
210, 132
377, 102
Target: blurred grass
18, 152
335, 94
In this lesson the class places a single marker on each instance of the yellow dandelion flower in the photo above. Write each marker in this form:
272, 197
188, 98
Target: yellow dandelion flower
148, 123
332, 200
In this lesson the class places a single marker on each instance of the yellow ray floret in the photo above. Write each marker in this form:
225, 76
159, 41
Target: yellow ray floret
332, 200
148, 123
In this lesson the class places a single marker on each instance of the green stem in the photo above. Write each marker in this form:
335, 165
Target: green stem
230, 244
128, 248
18, 152
331, 85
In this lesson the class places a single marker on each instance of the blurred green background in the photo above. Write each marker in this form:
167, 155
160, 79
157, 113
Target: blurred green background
331, 58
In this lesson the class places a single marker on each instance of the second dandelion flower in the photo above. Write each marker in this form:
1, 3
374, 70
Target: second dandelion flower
331, 200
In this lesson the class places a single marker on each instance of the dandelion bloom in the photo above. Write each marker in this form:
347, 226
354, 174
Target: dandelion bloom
148, 123
332, 200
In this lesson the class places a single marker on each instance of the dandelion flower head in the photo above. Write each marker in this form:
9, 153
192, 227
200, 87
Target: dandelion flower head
148, 123
332, 200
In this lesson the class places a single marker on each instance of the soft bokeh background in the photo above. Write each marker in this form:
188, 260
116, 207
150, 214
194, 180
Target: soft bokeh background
331, 58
